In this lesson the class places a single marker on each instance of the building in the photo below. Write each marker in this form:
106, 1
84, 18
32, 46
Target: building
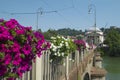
94, 36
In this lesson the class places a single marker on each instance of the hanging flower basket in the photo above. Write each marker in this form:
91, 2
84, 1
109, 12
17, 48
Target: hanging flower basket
80, 44
19, 46
61, 47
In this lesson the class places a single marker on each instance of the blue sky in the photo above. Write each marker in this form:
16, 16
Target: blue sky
70, 13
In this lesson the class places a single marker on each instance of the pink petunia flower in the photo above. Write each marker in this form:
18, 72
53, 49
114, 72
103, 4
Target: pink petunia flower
3, 70
11, 24
26, 49
7, 59
39, 53
11, 78
4, 34
39, 36
2, 47
17, 60
19, 46
15, 47
20, 31
19, 72
1, 20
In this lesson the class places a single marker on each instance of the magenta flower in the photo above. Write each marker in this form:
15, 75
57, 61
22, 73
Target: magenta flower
3, 70
19, 72
1, 20
25, 68
20, 26
2, 47
26, 49
39, 36
11, 24
21, 31
15, 47
7, 59
80, 44
19, 47
39, 53
29, 39
2, 30
39, 44
17, 60
4, 34
11, 78
47, 45
28, 28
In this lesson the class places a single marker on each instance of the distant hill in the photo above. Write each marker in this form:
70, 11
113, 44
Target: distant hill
64, 32
69, 32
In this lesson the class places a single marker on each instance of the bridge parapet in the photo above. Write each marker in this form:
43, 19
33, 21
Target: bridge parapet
97, 72
74, 67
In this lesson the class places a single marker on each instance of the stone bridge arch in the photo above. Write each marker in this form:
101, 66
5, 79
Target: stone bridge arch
86, 76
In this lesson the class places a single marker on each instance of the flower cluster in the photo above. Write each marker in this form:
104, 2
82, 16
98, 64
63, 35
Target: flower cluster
80, 44
60, 47
19, 46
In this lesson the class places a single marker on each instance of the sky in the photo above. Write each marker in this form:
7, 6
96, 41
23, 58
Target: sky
58, 14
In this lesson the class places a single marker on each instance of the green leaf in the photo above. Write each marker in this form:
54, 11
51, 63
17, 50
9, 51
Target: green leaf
2, 55
10, 74
34, 49
34, 39
13, 33
22, 56
10, 65
10, 42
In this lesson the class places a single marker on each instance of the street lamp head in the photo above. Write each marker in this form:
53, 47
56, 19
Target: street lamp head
89, 11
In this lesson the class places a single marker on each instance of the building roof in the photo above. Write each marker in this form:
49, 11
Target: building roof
94, 29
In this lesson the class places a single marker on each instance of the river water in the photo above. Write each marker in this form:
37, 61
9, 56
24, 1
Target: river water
112, 65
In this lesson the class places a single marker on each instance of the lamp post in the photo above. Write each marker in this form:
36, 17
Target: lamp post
39, 11
92, 9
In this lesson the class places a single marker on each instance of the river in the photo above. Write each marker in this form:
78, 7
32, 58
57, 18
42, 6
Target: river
112, 65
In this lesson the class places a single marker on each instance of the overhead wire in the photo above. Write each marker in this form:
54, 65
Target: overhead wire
22, 13
58, 12
65, 19
74, 7
4, 12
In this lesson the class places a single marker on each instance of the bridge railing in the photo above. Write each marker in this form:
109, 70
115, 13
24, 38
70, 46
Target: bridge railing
43, 69
52, 70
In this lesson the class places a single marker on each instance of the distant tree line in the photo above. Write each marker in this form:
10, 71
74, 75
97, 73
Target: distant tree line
112, 40
64, 32
68, 31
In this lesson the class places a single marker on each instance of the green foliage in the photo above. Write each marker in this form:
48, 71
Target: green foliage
49, 34
69, 32
2, 55
113, 42
101, 50
22, 56
63, 32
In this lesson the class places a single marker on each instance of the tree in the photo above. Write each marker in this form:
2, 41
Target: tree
113, 42
69, 32
49, 33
